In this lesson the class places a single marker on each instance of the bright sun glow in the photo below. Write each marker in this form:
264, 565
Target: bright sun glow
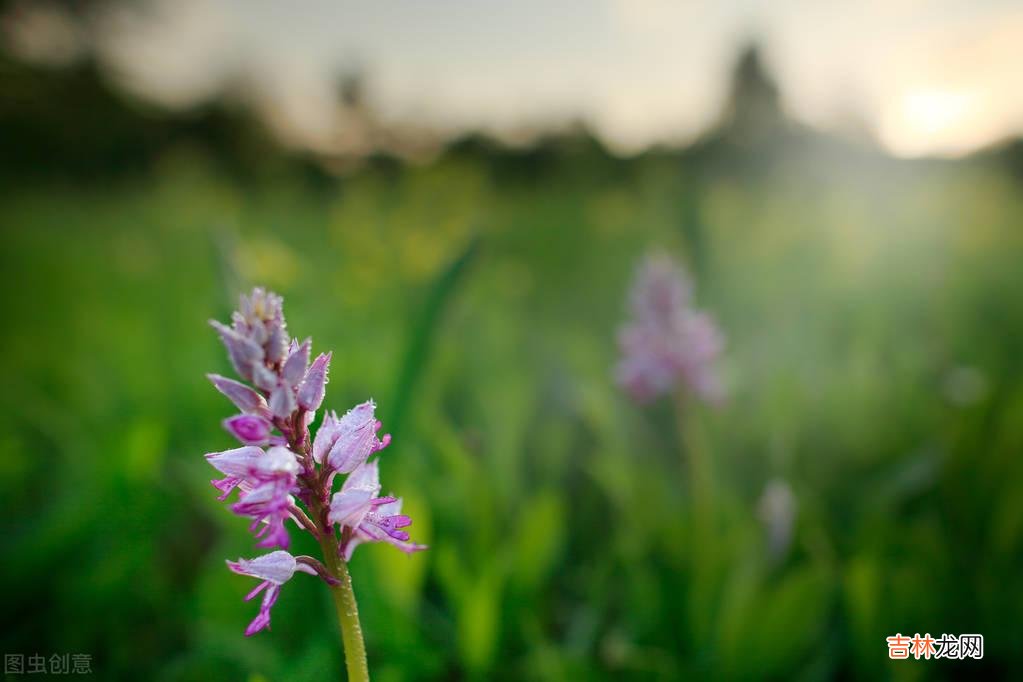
934, 120
932, 112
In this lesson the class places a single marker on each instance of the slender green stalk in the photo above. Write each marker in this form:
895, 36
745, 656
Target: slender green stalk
704, 554
345, 605
347, 611
351, 630
701, 474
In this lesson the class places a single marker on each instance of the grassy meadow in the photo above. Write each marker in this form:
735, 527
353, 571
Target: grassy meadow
874, 326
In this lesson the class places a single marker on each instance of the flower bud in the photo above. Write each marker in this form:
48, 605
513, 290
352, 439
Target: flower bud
263, 378
313, 386
282, 401
249, 429
244, 398
296, 365
243, 351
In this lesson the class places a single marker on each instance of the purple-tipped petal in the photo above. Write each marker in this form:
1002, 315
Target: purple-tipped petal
269, 504
282, 401
356, 439
280, 460
268, 499
237, 466
244, 398
237, 462
276, 343
249, 429
366, 476
296, 365
257, 333
243, 351
255, 590
262, 304
313, 386
261, 317
356, 497
275, 567
262, 619
383, 524
348, 507
360, 537
264, 378
325, 436
267, 480
276, 535
273, 570
369, 518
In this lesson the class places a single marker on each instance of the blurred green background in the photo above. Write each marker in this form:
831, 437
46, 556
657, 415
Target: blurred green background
872, 310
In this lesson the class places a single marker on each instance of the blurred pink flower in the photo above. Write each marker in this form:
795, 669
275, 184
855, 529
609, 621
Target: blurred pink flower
666, 340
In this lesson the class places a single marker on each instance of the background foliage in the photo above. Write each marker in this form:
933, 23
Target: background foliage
873, 318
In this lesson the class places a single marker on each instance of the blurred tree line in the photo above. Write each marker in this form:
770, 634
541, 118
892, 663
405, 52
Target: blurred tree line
70, 122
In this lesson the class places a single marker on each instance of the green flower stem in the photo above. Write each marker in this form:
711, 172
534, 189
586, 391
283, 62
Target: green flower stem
342, 592
704, 557
701, 474
351, 630
347, 609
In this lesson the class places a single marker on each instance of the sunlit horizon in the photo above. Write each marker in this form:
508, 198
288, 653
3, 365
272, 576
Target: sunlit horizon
922, 79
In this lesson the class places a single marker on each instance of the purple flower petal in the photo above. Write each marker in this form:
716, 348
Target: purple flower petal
275, 567
370, 518
243, 351
269, 503
274, 570
262, 619
313, 386
249, 429
282, 401
237, 466
244, 398
267, 498
296, 364
383, 524
354, 500
276, 343
325, 436
356, 439
280, 460
264, 378
236, 462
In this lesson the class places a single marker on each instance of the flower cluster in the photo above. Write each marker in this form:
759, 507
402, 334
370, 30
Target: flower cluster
667, 340
282, 474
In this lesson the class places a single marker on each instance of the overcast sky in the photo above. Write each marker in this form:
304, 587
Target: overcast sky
944, 76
